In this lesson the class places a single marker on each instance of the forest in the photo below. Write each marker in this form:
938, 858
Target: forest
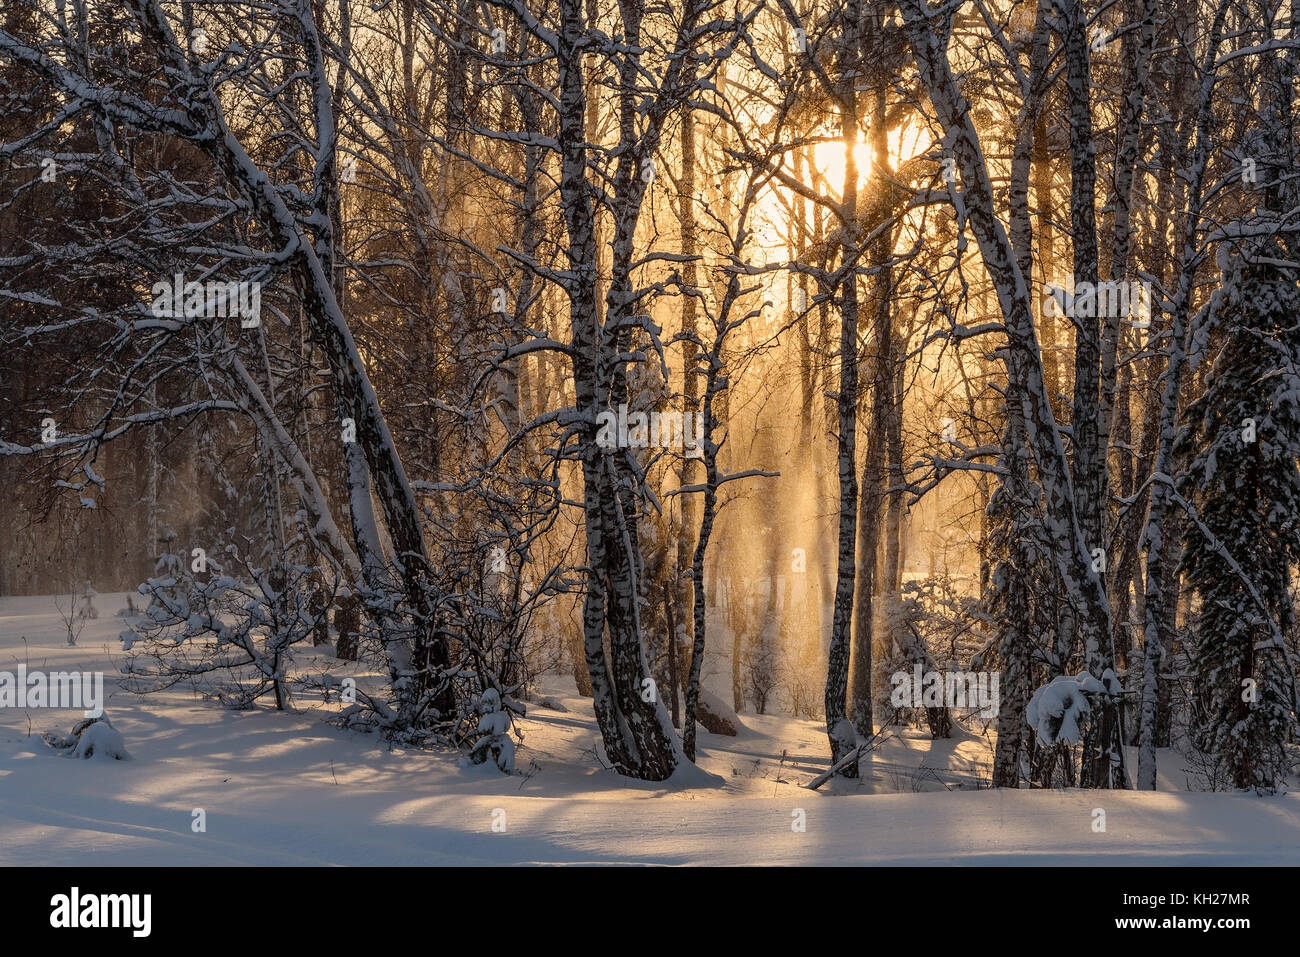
897, 366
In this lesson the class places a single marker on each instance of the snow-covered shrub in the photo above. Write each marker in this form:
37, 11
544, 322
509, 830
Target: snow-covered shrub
1059, 713
227, 631
90, 738
468, 619
492, 733
101, 740
1057, 710
935, 625
492, 609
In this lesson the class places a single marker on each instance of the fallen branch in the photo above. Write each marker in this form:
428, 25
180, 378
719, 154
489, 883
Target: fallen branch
868, 745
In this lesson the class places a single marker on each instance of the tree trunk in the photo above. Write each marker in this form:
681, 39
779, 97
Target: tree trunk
843, 736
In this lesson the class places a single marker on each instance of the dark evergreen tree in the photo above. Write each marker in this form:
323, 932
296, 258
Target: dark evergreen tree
1242, 440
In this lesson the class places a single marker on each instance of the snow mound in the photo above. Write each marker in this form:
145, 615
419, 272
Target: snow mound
91, 738
716, 715
101, 740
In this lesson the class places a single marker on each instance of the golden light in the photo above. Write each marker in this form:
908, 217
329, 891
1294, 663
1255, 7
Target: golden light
828, 158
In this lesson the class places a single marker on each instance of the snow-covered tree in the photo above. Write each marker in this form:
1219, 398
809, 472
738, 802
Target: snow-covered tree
1243, 441
491, 735
228, 630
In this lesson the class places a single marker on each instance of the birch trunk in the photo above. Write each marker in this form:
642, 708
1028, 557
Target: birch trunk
1157, 635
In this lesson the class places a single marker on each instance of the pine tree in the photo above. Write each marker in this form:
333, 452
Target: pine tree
167, 592
1243, 437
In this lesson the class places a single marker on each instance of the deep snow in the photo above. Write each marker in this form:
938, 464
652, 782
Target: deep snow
285, 788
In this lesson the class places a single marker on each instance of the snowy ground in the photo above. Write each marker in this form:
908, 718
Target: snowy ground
284, 788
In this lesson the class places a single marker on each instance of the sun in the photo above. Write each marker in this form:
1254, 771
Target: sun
828, 158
